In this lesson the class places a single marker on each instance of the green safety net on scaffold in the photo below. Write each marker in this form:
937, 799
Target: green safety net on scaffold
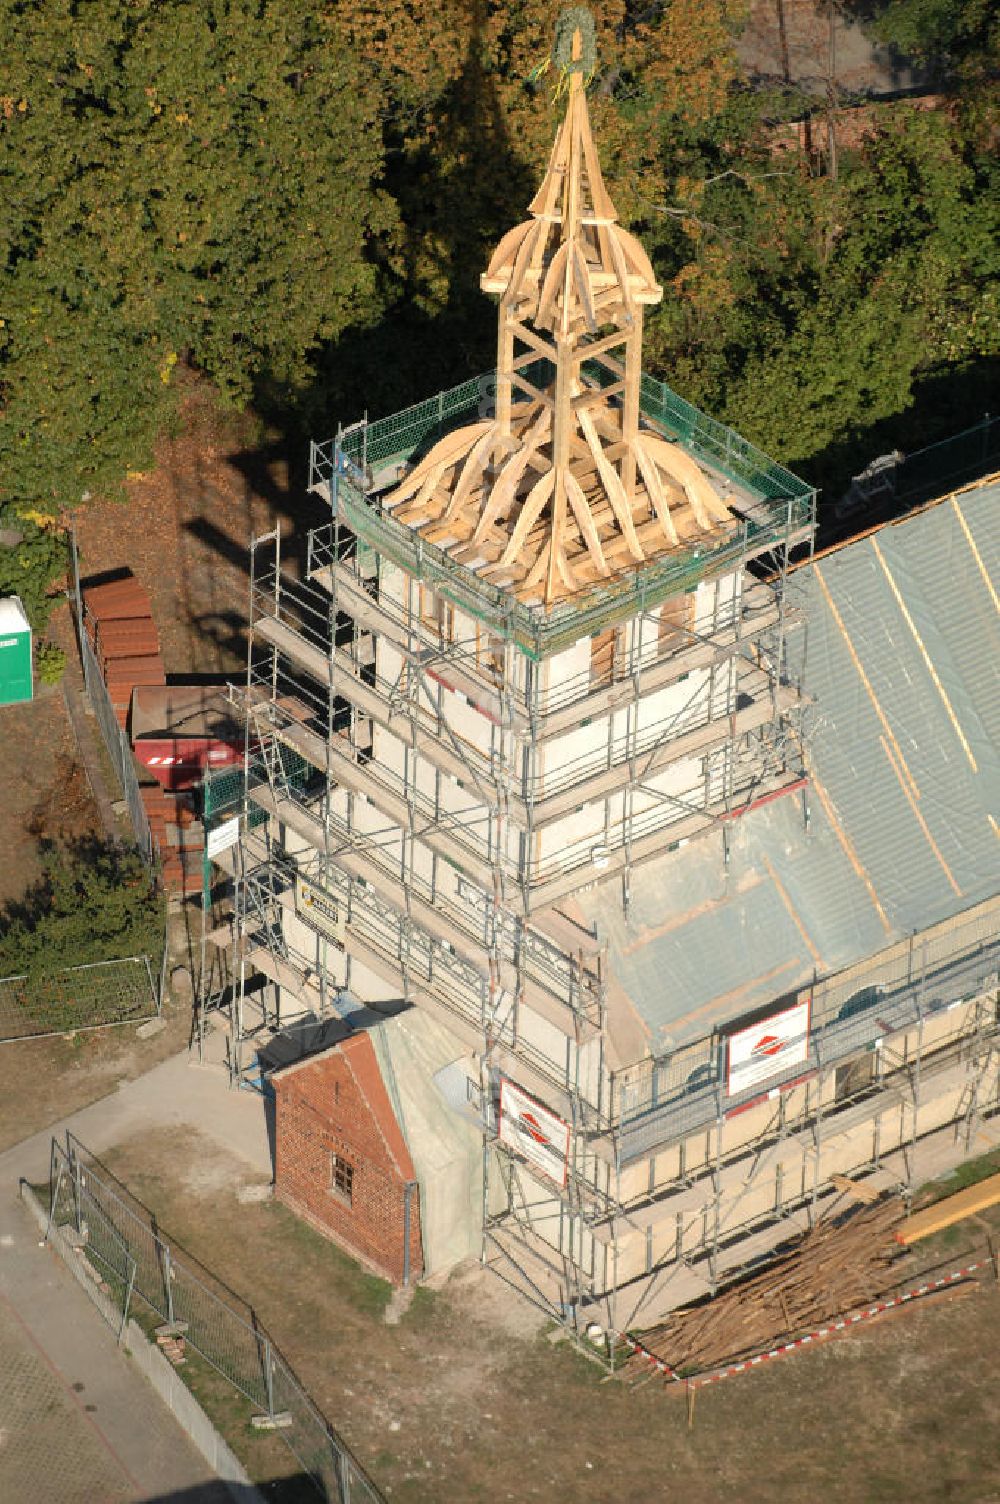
225, 791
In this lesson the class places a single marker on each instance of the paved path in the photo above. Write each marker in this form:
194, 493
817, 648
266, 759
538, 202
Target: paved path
77, 1423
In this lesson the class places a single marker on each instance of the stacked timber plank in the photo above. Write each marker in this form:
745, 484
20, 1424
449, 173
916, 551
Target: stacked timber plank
840, 1263
118, 618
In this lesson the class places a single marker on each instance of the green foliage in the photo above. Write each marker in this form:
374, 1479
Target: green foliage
299, 201
969, 1172
95, 901
804, 309
30, 568
179, 179
962, 35
50, 660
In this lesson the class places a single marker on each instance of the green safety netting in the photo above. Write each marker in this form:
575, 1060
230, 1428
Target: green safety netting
782, 504
227, 793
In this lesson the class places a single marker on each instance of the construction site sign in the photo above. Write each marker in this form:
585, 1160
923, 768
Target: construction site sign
534, 1132
322, 911
222, 837
768, 1048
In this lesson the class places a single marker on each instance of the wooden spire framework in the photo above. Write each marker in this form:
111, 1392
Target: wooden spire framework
563, 487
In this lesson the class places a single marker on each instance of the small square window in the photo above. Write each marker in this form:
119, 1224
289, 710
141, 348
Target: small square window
342, 1178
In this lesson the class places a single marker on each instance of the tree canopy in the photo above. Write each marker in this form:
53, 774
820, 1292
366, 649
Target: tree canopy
183, 178
298, 199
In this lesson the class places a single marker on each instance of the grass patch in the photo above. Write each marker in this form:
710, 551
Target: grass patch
264, 1454
424, 1309
970, 1172
365, 1292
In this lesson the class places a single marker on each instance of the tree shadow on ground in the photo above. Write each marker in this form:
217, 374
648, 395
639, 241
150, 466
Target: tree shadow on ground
296, 1489
945, 403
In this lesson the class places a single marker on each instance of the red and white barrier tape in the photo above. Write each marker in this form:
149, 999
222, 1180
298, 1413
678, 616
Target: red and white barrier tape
842, 1324
644, 1352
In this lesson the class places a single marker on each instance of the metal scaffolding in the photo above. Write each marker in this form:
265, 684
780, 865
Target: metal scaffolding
318, 702
320, 691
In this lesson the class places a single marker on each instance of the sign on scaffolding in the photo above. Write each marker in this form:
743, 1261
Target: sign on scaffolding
534, 1132
323, 911
767, 1048
222, 837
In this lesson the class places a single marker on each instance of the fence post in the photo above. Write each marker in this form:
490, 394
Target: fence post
344, 1469
77, 1191
55, 1184
128, 1300
162, 988
168, 1281
269, 1376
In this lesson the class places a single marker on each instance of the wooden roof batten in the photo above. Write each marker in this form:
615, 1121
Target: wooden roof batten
564, 486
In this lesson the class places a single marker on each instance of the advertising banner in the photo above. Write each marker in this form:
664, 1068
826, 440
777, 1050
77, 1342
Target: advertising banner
768, 1048
533, 1131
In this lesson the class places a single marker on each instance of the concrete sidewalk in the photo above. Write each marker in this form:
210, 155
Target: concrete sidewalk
176, 1094
77, 1422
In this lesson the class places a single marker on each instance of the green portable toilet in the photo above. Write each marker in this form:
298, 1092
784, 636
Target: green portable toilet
16, 683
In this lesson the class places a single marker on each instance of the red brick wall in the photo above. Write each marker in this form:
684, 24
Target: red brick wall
336, 1103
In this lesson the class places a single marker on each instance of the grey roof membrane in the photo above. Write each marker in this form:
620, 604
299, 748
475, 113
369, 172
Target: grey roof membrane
902, 660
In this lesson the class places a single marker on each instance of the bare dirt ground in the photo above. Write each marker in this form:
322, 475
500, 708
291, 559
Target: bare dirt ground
459, 1402
186, 528
184, 532
47, 1079
861, 63
45, 792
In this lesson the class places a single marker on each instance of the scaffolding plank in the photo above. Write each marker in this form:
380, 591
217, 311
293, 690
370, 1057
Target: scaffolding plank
357, 603
356, 863
588, 788
423, 736
652, 676
714, 732
328, 758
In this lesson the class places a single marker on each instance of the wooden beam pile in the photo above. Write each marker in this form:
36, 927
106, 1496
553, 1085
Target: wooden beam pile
841, 1263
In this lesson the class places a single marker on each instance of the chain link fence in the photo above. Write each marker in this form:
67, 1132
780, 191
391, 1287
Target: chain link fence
139, 1269
95, 996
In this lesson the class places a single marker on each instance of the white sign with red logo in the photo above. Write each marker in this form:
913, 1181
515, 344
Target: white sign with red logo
768, 1048
534, 1131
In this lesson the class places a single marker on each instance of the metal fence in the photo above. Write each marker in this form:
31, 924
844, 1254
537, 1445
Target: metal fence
953, 462
116, 742
924, 474
139, 1269
94, 996
119, 748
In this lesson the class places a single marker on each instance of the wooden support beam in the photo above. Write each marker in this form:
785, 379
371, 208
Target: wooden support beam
952, 1209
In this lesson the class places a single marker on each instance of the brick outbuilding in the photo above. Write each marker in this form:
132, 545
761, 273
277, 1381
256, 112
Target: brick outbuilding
341, 1160
375, 1141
